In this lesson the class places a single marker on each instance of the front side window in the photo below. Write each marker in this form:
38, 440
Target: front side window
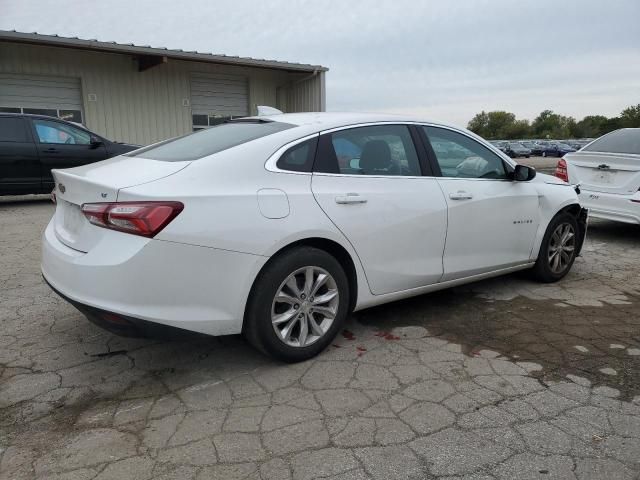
60, 133
620, 141
462, 157
386, 150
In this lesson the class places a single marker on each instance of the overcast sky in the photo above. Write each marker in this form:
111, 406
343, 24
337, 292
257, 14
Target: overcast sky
441, 59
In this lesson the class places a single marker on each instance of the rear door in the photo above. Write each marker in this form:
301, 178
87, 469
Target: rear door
610, 164
61, 145
368, 180
19, 164
492, 220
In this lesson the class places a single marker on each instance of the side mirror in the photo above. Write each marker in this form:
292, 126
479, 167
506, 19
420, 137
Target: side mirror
523, 173
95, 141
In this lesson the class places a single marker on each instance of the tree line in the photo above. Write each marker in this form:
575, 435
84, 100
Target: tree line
504, 125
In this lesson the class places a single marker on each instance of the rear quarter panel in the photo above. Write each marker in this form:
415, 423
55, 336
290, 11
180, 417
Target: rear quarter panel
220, 195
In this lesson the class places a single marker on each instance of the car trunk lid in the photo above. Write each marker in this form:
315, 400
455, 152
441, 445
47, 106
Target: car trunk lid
605, 172
99, 182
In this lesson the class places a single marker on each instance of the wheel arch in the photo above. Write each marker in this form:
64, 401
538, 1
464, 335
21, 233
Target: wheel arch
331, 247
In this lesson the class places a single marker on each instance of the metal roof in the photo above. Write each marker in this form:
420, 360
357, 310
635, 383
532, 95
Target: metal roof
131, 49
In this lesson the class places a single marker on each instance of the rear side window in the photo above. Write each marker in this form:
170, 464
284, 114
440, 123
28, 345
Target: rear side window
299, 158
12, 130
209, 141
385, 150
620, 141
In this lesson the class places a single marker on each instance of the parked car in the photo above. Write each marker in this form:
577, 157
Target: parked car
279, 226
32, 145
556, 150
515, 150
538, 147
575, 144
500, 145
608, 172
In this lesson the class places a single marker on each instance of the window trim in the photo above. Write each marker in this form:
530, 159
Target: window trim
36, 137
271, 163
311, 155
423, 147
508, 164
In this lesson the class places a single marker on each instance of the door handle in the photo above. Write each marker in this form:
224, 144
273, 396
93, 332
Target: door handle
51, 150
350, 198
460, 196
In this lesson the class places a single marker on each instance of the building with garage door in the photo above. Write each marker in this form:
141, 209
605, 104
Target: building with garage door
141, 94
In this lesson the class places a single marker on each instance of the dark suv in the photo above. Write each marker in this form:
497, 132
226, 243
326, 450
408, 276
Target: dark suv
31, 145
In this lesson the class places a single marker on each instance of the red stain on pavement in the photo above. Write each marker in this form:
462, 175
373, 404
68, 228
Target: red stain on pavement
361, 348
348, 335
387, 335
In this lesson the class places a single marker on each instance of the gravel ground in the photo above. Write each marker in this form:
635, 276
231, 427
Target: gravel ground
502, 379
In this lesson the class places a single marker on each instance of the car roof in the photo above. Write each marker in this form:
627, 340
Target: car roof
327, 120
33, 115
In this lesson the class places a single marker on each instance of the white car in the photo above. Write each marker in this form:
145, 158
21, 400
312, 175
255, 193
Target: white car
279, 226
608, 172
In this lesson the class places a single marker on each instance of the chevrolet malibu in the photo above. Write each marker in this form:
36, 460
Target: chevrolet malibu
279, 226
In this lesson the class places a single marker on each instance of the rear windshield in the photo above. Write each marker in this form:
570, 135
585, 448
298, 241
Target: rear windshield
620, 141
209, 141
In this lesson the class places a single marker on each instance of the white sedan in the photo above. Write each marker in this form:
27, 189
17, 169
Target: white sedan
608, 171
278, 226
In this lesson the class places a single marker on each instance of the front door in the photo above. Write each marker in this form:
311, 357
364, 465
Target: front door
368, 181
61, 145
492, 220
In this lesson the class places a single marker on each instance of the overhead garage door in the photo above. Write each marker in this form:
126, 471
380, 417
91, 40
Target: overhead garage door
216, 97
41, 94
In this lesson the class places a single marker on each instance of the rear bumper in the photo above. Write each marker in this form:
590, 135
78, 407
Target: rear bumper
610, 206
193, 288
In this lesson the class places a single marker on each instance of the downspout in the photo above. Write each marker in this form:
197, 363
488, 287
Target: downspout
300, 80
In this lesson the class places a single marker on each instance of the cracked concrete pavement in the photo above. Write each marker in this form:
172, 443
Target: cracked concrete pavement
500, 379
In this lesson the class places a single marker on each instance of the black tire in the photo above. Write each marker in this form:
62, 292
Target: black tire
542, 269
258, 328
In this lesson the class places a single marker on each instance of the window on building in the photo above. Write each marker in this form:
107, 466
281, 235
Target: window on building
49, 112
201, 121
63, 114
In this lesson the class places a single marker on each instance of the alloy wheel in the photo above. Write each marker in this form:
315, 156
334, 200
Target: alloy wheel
562, 245
305, 306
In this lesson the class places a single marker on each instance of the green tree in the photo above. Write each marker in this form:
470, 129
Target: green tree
630, 117
517, 130
498, 125
479, 124
591, 126
553, 125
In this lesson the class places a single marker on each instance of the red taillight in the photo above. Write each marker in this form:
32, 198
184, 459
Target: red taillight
561, 170
138, 218
53, 195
